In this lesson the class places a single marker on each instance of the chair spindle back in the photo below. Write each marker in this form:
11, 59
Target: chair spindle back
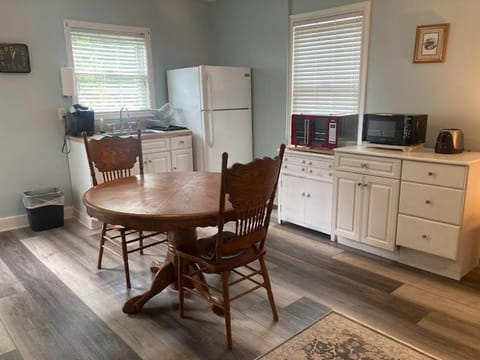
114, 157
250, 188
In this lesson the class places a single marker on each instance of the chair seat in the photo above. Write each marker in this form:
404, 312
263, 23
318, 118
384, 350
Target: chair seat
204, 254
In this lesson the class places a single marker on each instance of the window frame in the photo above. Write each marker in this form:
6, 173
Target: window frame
68, 24
365, 8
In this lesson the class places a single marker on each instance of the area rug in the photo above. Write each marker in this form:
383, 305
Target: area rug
338, 337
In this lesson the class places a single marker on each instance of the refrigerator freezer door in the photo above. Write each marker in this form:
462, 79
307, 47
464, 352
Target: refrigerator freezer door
229, 131
225, 87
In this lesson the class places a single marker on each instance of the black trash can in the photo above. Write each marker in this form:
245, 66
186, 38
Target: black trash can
44, 208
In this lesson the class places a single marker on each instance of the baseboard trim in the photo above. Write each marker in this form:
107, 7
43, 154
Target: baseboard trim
20, 221
86, 220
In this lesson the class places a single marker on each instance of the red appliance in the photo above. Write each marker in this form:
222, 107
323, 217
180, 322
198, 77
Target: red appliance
324, 131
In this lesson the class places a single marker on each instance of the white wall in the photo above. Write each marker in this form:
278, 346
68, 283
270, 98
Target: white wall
31, 136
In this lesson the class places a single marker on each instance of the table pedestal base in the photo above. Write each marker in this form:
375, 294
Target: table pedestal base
166, 273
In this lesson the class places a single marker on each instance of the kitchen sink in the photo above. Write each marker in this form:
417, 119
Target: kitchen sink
131, 132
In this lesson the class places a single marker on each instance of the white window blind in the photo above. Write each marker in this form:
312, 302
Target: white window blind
326, 64
111, 70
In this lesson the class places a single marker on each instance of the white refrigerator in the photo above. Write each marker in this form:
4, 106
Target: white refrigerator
214, 102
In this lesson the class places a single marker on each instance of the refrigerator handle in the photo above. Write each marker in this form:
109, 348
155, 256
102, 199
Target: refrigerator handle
208, 82
209, 130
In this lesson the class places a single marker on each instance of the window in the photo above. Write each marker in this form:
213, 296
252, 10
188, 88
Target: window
112, 66
328, 60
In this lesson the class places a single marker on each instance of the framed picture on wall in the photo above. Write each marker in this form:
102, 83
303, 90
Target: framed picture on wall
431, 43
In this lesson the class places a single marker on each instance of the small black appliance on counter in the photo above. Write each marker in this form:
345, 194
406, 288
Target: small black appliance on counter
79, 119
449, 141
395, 129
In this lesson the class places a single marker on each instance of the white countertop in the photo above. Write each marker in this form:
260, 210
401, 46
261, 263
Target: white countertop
421, 154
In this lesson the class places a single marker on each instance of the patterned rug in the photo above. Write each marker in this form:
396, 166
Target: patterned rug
337, 337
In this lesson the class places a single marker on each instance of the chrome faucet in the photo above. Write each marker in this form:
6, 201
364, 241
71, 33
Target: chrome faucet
122, 109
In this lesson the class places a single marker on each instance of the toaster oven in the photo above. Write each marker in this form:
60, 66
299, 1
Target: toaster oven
324, 131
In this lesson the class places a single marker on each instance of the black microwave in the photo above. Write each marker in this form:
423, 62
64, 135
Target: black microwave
395, 129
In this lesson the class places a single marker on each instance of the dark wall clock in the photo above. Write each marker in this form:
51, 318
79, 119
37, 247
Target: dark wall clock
14, 58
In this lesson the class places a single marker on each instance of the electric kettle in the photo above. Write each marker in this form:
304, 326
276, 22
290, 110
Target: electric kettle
449, 141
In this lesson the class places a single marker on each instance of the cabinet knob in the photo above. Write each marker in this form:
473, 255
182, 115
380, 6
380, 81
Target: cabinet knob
149, 161
310, 171
285, 166
365, 185
308, 195
330, 174
182, 142
359, 184
424, 236
303, 169
310, 163
330, 166
303, 194
428, 202
430, 173
174, 168
303, 161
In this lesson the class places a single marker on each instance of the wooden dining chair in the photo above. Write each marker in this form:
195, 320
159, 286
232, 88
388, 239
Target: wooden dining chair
250, 190
114, 158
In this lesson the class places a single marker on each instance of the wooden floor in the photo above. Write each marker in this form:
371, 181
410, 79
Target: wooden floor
54, 304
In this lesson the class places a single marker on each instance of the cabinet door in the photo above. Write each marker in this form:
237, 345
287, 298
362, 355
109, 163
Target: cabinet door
318, 205
158, 162
182, 160
380, 209
292, 199
347, 195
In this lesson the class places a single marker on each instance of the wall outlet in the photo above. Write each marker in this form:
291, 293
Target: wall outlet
62, 113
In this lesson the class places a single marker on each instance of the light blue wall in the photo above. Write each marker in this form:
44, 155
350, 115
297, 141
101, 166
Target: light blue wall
30, 134
448, 92
254, 33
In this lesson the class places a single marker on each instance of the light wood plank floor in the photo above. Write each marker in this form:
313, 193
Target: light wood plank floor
54, 304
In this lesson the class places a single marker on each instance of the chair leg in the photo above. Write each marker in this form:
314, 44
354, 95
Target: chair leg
102, 243
125, 258
226, 304
268, 287
181, 291
140, 234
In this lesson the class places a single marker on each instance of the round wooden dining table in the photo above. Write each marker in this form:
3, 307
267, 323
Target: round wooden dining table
176, 203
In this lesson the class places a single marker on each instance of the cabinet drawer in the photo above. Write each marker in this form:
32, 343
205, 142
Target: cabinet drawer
155, 145
324, 174
434, 174
294, 169
432, 202
428, 236
306, 171
321, 164
181, 142
370, 165
296, 158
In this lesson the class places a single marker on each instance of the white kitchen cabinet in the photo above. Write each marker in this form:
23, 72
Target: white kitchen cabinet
431, 215
157, 162
436, 225
170, 151
305, 190
182, 160
365, 208
379, 211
